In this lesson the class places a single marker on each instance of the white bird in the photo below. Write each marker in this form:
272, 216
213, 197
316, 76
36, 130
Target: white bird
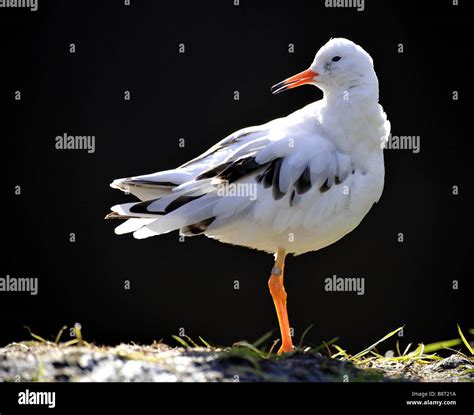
293, 185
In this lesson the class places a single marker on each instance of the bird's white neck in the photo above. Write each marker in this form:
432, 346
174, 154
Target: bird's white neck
350, 112
352, 92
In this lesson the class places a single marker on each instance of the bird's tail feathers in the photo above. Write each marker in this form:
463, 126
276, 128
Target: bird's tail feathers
189, 208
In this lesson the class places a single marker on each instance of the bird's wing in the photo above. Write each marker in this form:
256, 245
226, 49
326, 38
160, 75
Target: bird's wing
238, 144
285, 159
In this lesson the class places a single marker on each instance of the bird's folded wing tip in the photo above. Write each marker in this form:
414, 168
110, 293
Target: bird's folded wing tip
116, 184
110, 215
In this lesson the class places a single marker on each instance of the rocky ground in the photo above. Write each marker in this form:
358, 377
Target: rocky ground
50, 362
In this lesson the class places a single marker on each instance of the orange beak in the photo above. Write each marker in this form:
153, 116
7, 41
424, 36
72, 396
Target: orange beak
302, 78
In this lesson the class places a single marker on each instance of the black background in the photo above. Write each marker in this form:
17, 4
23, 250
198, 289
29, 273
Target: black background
228, 48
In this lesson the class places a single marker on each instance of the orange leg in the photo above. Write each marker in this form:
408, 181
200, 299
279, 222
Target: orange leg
277, 290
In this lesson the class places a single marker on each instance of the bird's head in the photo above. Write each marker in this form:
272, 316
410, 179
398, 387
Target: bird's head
340, 65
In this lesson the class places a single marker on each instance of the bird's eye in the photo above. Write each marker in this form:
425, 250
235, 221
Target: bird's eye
336, 58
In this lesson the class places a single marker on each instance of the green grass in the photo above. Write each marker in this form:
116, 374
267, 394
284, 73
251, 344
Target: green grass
371, 356
77, 340
468, 346
261, 349
264, 349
